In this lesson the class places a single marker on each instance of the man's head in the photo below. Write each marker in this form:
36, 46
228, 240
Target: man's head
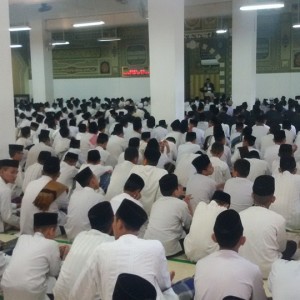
129, 218
222, 198
287, 163
279, 137
134, 185
101, 217
131, 154
151, 156
51, 167
249, 140
9, 170
203, 165
285, 150
16, 151
228, 230
190, 137
46, 223
118, 130
86, 178
43, 156
71, 158
93, 157
217, 149
25, 132
44, 136
134, 142
102, 139
241, 168
263, 190
169, 185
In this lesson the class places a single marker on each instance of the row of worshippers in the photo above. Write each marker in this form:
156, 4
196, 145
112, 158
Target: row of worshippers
48, 194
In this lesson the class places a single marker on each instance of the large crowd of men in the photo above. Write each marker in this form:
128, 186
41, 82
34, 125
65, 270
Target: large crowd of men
221, 186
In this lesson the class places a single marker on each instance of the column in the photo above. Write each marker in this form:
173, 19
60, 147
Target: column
166, 40
244, 25
41, 62
7, 132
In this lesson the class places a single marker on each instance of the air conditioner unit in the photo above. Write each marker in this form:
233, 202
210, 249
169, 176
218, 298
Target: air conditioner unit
209, 62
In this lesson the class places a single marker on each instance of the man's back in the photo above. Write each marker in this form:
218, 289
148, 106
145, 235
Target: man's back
225, 273
128, 254
82, 248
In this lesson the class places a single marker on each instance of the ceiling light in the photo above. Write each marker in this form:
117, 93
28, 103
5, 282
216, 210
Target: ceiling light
98, 23
16, 46
109, 39
273, 5
221, 31
296, 26
59, 43
19, 28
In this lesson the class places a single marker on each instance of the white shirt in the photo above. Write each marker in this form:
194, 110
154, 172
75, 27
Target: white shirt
151, 191
187, 148
128, 254
266, 237
34, 259
168, 227
284, 280
105, 156
199, 136
116, 145
198, 242
117, 201
67, 174
118, 179
33, 172
240, 191
257, 167
271, 154
6, 215
225, 273
201, 188
82, 248
221, 170
287, 202
226, 157
81, 202
265, 142
184, 168
259, 131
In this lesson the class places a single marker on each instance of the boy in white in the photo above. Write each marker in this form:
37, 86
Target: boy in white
198, 242
239, 187
169, 228
225, 273
35, 258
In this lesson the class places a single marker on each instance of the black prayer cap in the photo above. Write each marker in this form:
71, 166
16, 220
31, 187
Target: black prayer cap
133, 287
83, 176
93, 156
250, 139
228, 228
162, 123
9, 163
134, 142
201, 162
51, 165
45, 219
15, 147
40, 118
118, 129
221, 196
135, 182
175, 125
71, 155
264, 185
131, 214
168, 182
43, 156
190, 136
75, 143
100, 214
44, 133
145, 135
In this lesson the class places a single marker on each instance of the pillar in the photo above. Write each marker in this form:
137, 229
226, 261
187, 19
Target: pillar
7, 132
166, 42
41, 62
244, 24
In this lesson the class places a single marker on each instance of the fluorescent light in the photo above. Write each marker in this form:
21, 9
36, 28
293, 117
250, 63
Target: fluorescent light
221, 31
88, 24
16, 46
19, 28
112, 39
58, 43
296, 26
262, 6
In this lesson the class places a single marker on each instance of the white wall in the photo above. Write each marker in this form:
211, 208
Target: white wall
277, 85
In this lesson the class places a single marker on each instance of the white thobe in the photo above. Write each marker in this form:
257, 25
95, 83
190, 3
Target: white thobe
221, 170
284, 280
266, 237
257, 167
226, 273
33, 172
6, 215
81, 202
168, 227
287, 202
159, 133
128, 254
67, 174
184, 168
198, 242
187, 148
34, 259
265, 142
115, 146
118, 179
151, 191
271, 154
201, 188
82, 248
240, 191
